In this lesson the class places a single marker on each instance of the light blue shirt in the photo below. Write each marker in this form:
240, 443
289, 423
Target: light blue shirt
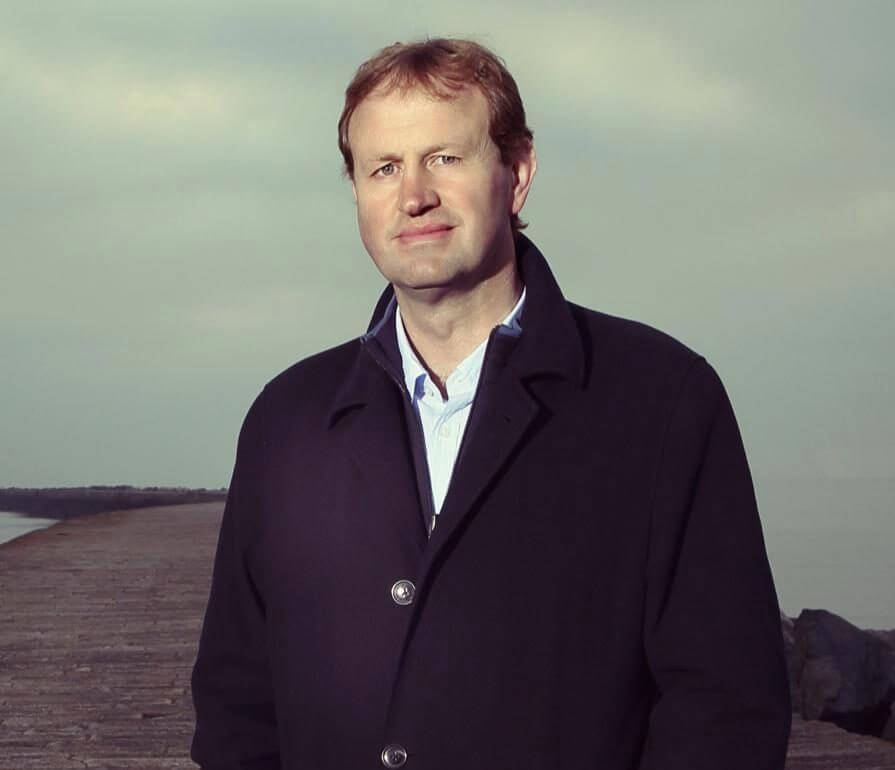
444, 420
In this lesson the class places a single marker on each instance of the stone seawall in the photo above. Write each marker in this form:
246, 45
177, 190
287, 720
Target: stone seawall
98, 630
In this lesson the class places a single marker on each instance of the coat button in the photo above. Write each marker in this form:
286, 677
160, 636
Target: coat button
394, 755
402, 592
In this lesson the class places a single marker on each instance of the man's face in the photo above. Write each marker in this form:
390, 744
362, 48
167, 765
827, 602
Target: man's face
433, 198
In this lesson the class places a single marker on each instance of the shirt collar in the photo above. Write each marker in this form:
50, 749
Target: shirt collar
467, 371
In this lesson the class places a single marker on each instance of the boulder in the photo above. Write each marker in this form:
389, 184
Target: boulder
889, 730
789, 642
842, 674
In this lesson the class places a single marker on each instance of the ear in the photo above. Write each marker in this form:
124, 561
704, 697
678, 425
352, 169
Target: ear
524, 167
354, 190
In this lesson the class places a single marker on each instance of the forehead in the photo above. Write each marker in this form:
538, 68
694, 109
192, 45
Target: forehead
396, 115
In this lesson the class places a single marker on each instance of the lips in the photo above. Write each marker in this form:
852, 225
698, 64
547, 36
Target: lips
427, 231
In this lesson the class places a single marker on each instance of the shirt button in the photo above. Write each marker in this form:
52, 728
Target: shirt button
402, 593
394, 755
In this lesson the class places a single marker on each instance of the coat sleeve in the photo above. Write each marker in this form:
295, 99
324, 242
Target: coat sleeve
231, 682
712, 634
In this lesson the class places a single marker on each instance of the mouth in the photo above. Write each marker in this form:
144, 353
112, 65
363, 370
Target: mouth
427, 233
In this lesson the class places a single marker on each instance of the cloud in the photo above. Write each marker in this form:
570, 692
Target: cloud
874, 213
609, 69
171, 195
107, 99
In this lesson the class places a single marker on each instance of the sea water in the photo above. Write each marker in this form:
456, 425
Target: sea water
13, 525
831, 544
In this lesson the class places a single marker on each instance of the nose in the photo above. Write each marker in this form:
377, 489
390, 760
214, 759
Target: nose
417, 193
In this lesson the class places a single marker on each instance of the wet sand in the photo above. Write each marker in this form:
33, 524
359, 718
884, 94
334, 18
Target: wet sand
98, 630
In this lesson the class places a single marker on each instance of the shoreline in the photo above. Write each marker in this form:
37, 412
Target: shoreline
63, 503
14, 525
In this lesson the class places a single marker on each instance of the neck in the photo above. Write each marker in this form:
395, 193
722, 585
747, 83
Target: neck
446, 328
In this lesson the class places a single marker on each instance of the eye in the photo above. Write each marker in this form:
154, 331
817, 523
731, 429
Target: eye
446, 160
387, 170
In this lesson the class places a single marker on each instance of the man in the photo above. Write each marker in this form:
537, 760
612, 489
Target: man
499, 531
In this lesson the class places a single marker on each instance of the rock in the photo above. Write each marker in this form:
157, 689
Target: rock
842, 674
888, 733
789, 640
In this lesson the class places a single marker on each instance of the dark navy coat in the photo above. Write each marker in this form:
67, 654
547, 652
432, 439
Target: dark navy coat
596, 593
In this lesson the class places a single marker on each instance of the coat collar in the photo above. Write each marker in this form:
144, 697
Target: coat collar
550, 343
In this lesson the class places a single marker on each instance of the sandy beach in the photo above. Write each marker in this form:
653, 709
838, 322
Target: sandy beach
100, 620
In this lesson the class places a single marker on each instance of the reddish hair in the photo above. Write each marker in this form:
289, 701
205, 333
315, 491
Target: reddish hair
443, 67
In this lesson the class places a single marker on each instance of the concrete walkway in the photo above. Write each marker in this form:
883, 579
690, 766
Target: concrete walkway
98, 634
98, 630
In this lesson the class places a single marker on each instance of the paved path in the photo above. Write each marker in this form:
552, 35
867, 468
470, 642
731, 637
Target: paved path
98, 634
99, 622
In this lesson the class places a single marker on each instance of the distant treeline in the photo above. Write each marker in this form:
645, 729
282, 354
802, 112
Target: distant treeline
66, 502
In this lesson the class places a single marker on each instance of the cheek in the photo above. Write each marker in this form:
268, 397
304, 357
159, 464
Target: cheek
373, 209
366, 223
372, 227
501, 194
494, 204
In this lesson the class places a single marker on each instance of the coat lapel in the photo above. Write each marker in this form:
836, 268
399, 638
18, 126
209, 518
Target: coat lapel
369, 410
501, 417
505, 408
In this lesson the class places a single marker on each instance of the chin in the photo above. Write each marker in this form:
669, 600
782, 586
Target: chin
425, 274
422, 284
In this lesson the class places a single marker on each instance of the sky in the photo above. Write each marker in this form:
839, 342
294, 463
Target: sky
176, 229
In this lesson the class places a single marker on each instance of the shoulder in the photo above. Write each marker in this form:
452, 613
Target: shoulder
306, 387
640, 358
316, 374
626, 339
